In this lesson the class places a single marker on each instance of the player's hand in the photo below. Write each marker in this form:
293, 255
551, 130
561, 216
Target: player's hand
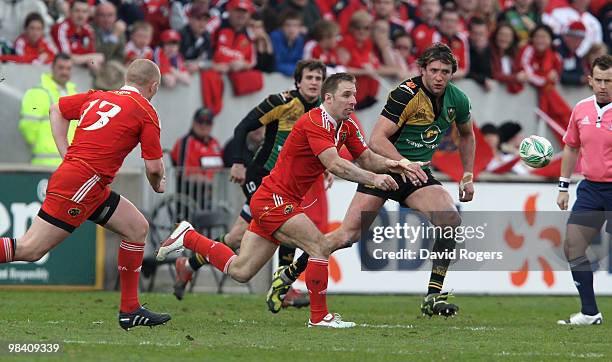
238, 173
385, 182
328, 179
563, 200
410, 171
466, 187
161, 188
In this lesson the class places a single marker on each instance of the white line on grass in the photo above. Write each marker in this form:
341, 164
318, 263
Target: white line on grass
114, 343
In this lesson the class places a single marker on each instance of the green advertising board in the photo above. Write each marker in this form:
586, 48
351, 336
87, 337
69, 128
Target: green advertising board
77, 263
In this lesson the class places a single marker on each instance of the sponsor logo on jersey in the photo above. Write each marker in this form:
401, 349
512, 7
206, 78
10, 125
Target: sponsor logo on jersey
288, 209
585, 120
430, 135
74, 212
452, 114
407, 88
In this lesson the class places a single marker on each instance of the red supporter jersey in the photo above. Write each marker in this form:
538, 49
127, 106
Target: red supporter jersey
423, 36
539, 65
360, 54
110, 125
298, 165
166, 64
231, 46
39, 53
197, 156
72, 40
133, 52
312, 50
460, 47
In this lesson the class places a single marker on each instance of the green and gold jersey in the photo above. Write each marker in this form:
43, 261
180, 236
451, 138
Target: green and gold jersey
421, 120
278, 113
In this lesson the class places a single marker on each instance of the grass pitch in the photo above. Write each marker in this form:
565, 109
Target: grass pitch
209, 327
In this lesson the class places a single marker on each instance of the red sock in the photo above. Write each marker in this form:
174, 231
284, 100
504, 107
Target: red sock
316, 282
129, 263
7, 249
218, 254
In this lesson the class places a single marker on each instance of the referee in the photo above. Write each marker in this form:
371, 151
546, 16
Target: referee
590, 133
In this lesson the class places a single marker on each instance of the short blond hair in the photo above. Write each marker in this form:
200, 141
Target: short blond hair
142, 72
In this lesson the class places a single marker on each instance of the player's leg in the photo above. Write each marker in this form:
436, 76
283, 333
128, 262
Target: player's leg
343, 236
300, 231
185, 267
34, 244
125, 220
577, 240
257, 252
584, 224
435, 202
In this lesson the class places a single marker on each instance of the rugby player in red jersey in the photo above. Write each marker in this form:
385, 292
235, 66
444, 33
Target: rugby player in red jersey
311, 148
110, 125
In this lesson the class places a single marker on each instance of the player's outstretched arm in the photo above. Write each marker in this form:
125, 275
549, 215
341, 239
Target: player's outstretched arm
59, 129
568, 163
348, 171
156, 174
411, 171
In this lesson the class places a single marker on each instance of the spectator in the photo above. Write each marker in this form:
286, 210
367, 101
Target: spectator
128, 11
307, 8
156, 13
403, 44
466, 10
543, 66
390, 60
263, 45
31, 46
522, 17
323, 46
197, 155
356, 52
504, 54
480, 54
75, 37
110, 36
196, 45
34, 124
425, 31
341, 11
488, 10
234, 49
170, 60
180, 9
57, 9
450, 35
510, 137
573, 67
385, 10
13, 15
139, 46
597, 50
490, 133
560, 19
288, 43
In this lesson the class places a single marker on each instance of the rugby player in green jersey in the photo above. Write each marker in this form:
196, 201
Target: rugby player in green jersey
414, 120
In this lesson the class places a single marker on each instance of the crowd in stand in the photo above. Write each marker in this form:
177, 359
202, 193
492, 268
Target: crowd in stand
536, 42
518, 43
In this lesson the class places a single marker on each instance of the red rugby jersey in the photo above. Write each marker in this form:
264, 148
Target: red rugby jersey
73, 40
298, 165
34, 53
110, 125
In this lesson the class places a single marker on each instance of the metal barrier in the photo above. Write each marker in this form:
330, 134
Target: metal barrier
206, 199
